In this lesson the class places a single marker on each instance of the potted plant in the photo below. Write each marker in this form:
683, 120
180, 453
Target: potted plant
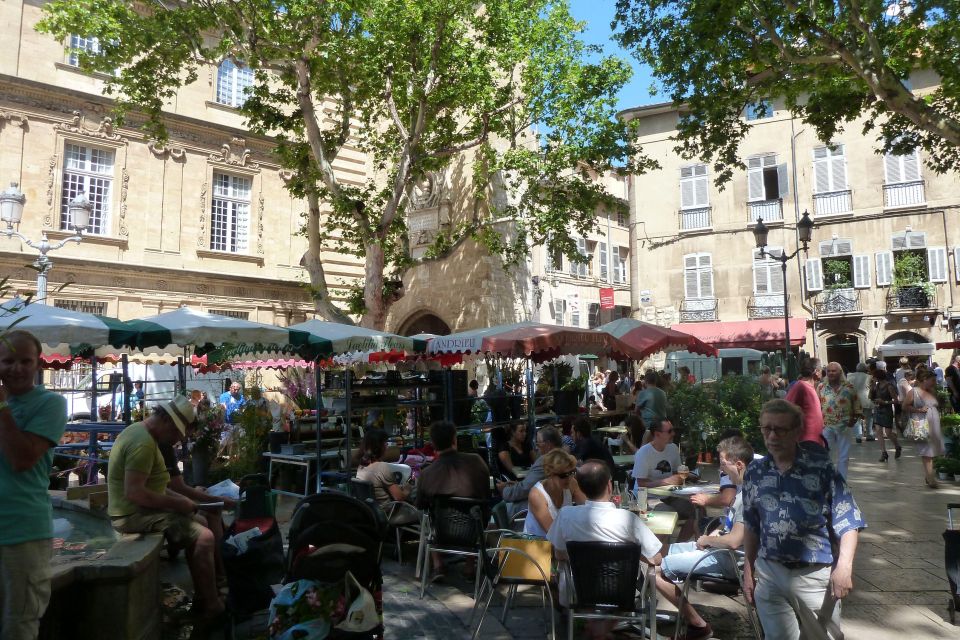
566, 400
837, 274
206, 439
944, 467
910, 280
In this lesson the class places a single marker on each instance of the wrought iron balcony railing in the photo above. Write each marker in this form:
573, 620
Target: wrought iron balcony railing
765, 306
838, 302
698, 309
914, 298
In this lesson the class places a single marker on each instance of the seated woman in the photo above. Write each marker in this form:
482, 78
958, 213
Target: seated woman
557, 489
515, 450
633, 439
378, 473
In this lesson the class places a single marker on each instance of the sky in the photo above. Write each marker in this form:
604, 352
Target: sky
598, 14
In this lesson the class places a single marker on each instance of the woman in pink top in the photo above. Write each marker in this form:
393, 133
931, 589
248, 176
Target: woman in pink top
804, 394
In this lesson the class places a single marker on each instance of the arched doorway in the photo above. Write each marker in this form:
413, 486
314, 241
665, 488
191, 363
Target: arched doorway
845, 349
424, 323
905, 344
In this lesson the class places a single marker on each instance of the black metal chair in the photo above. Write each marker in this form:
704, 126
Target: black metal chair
603, 578
700, 579
455, 527
401, 516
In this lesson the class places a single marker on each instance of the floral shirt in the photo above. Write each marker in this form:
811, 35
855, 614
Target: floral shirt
790, 512
838, 406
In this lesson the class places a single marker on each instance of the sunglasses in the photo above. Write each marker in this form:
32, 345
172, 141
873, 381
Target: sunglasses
566, 474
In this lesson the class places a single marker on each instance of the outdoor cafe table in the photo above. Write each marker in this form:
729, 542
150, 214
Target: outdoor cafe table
685, 492
304, 461
623, 460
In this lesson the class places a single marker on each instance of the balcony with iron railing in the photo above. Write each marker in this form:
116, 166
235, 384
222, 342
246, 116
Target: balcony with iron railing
770, 211
911, 298
832, 203
695, 219
765, 306
838, 302
904, 194
698, 309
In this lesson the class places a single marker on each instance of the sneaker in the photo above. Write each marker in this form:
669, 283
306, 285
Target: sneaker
699, 633
859, 440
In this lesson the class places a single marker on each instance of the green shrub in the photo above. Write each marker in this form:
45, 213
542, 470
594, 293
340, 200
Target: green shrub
704, 411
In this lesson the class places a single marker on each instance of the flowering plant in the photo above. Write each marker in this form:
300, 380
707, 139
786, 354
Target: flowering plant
300, 387
211, 421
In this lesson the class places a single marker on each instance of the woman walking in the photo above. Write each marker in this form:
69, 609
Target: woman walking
884, 397
920, 403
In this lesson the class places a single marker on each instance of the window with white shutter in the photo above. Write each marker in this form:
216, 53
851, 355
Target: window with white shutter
908, 240
764, 179
604, 260
573, 305
814, 274
580, 269
620, 257
767, 272
905, 168
697, 276
937, 264
553, 258
230, 213
956, 262
861, 272
884, 261
558, 308
593, 315
694, 187
829, 169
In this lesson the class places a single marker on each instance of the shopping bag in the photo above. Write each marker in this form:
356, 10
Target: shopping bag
917, 429
361, 614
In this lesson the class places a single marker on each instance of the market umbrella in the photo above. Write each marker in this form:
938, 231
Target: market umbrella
187, 326
540, 342
64, 333
647, 339
346, 338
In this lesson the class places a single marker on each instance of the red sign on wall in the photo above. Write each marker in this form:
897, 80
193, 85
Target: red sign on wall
606, 297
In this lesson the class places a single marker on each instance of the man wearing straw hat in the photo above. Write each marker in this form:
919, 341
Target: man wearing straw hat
140, 501
31, 423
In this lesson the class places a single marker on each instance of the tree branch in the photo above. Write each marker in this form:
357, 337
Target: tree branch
392, 104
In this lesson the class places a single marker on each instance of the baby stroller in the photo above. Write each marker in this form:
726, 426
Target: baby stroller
332, 534
951, 549
258, 563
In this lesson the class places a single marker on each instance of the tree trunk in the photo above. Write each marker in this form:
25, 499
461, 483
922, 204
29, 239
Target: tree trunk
375, 315
318, 279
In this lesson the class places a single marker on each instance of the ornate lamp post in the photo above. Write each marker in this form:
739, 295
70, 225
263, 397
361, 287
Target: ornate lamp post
804, 233
12, 202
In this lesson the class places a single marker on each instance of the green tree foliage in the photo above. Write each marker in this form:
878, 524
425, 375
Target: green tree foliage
704, 411
413, 84
830, 62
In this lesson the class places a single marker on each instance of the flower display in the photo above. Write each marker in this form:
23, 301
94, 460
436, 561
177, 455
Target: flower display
211, 422
300, 387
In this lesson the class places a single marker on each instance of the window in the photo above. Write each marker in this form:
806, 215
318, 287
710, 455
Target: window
593, 317
758, 110
230, 213
230, 313
581, 269
83, 306
620, 257
838, 267
87, 170
694, 187
557, 308
604, 261
903, 186
233, 83
573, 304
553, 258
697, 276
767, 272
78, 44
830, 169
766, 180
622, 218
900, 169
884, 268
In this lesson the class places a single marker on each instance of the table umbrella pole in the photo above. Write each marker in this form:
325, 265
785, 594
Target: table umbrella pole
127, 389
317, 376
348, 383
94, 409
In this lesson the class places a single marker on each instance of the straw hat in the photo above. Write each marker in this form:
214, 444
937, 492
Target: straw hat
181, 412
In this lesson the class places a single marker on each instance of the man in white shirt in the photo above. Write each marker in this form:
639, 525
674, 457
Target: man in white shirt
655, 464
599, 520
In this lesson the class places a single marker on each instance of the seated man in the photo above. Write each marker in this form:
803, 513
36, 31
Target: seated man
139, 500
599, 520
735, 455
586, 446
656, 464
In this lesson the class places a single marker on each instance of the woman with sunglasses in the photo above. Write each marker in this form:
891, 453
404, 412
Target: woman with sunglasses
558, 489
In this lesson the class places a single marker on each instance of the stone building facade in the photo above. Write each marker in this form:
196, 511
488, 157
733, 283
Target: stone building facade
874, 215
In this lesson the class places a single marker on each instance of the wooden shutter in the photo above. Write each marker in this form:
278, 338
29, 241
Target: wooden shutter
691, 279
911, 166
821, 170
814, 272
861, 271
893, 169
838, 169
775, 270
884, 268
701, 187
911, 240
956, 262
783, 180
755, 189
604, 264
705, 266
761, 274
904, 168
937, 264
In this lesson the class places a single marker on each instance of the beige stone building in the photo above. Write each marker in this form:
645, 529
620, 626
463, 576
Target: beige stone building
875, 216
203, 221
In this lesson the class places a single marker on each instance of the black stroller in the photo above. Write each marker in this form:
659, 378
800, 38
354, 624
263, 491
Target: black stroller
951, 553
251, 573
332, 533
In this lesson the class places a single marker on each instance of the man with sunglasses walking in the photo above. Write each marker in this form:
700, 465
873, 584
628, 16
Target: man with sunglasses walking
802, 527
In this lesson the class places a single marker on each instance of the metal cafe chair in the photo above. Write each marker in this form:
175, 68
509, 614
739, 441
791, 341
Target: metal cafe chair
456, 527
514, 563
701, 579
603, 578
401, 516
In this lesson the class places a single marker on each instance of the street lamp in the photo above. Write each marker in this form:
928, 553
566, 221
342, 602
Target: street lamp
12, 202
804, 233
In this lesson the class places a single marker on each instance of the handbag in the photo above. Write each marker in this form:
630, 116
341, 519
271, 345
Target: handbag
917, 429
362, 612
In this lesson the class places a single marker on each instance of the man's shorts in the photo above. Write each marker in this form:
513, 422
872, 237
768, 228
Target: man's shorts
179, 528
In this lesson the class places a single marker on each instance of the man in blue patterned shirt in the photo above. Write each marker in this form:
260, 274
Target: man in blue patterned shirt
801, 530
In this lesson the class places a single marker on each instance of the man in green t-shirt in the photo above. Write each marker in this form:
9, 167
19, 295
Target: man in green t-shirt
139, 500
31, 424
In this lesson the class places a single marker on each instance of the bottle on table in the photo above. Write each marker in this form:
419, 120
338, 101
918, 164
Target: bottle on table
615, 498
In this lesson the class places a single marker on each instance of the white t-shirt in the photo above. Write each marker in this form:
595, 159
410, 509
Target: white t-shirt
601, 522
654, 465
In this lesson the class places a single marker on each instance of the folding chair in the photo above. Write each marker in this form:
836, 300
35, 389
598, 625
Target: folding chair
456, 527
515, 562
603, 578
699, 579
